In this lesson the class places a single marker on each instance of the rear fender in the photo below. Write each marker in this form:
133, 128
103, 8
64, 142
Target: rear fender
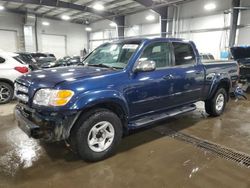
219, 80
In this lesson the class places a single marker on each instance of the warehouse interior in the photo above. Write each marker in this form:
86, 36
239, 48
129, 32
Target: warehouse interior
184, 150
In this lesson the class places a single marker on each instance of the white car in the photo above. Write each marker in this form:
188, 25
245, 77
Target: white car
11, 67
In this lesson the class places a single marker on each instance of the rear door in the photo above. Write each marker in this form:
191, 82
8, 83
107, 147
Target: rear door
188, 76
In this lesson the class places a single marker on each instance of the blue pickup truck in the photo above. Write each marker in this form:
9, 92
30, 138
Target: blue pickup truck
122, 85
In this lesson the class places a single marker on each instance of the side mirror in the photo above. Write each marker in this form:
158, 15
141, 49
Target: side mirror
145, 66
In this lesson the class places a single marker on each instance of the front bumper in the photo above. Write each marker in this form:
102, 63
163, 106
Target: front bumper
49, 126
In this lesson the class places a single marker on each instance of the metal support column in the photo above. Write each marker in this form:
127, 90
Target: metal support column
120, 21
234, 21
163, 11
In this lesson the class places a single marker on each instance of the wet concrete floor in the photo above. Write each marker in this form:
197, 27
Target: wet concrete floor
146, 158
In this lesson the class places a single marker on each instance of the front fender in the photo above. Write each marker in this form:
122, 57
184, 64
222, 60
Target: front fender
92, 98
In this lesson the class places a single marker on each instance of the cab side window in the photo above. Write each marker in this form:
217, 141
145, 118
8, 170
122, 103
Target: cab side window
2, 60
184, 53
158, 52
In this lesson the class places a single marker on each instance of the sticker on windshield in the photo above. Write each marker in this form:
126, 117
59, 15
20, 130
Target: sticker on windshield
130, 46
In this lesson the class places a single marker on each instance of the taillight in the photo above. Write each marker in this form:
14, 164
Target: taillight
22, 69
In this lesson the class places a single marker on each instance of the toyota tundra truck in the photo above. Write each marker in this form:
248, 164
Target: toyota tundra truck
123, 85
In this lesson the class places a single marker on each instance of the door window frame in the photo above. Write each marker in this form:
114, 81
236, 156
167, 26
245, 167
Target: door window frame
171, 58
173, 54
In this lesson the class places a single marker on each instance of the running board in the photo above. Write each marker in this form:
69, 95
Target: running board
154, 118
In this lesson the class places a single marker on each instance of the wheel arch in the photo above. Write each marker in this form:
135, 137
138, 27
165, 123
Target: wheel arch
7, 81
113, 106
223, 83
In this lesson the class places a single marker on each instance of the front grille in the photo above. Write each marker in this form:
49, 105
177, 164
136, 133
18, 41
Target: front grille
21, 92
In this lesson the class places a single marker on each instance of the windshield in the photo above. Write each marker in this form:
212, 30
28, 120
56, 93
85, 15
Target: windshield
114, 55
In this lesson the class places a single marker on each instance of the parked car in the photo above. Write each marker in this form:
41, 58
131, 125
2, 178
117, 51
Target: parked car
27, 58
66, 61
11, 67
43, 58
123, 85
242, 55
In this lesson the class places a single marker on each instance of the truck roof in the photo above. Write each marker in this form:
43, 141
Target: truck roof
140, 40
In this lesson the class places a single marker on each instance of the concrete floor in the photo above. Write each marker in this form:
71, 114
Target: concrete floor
147, 158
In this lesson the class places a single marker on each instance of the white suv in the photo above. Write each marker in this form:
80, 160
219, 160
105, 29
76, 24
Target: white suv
11, 67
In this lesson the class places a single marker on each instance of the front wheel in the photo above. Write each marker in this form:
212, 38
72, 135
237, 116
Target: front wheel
6, 93
97, 136
216, 105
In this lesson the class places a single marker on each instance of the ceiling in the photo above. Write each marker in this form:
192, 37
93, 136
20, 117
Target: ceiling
83, 10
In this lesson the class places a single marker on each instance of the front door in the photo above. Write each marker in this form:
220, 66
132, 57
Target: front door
146, 89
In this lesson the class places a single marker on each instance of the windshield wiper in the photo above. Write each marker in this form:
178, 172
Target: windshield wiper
101, 65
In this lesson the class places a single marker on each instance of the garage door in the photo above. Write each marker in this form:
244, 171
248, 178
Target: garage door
55, 44
8, 40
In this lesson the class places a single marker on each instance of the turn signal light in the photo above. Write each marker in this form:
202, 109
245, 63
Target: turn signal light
22, 69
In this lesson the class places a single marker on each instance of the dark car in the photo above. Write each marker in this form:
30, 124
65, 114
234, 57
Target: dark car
242, 55
66, 61
42, 58
27, 58
123, 85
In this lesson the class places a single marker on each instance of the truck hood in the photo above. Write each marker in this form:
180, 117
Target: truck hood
240, 52
51, 77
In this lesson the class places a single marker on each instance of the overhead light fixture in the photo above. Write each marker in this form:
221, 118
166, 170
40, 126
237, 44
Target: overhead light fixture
88, 29
210, 6
150, 17
65, 17
113, 24
98, 6
45, 23
1, 7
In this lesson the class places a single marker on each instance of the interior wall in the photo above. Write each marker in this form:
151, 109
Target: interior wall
208, 32
13, 22
75, 34
136, 25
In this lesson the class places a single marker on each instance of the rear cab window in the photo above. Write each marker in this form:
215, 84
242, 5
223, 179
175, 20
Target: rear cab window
183, 53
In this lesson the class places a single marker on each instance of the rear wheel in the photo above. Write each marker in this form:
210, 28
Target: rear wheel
97, 135
6, 92
216, 105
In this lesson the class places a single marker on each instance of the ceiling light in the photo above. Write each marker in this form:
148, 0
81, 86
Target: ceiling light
65, 17
150, 17
1, 7
210, 6
113, 24
45, 23
88, 29
98, 6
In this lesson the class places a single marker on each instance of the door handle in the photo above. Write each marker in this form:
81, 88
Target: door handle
168, 77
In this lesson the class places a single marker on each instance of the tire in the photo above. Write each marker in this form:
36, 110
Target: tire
6, 92
92, 144
216, 105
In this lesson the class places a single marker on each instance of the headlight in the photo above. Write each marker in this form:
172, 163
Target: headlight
52, 97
